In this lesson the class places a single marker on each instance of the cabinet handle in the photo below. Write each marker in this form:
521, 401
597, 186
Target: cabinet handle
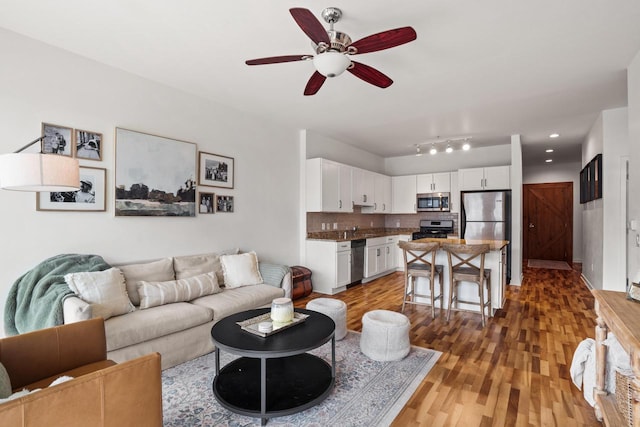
340, 204
378, 252
387, 250
384, 207
375, 206
364, 198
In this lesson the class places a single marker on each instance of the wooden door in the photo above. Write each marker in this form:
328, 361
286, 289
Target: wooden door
548, 221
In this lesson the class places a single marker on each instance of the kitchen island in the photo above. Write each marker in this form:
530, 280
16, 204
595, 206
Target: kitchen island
495, 260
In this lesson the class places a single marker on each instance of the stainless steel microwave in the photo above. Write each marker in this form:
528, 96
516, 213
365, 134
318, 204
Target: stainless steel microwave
433, 202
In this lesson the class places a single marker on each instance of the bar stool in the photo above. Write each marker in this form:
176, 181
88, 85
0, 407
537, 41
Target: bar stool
465, 271
420, 261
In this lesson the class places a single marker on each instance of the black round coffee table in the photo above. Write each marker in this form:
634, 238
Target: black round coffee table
275, 375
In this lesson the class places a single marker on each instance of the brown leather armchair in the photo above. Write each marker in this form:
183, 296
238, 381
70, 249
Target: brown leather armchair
102, 392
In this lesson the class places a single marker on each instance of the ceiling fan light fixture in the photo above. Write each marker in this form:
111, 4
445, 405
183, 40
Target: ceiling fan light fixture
331, 64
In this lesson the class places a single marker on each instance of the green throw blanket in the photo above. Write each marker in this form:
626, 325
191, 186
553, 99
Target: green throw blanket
35, 299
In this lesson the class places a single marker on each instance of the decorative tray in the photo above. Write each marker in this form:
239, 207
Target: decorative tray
251, 325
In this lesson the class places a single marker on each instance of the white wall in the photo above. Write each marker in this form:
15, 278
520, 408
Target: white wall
318, 145
592, 214
39, 83
496, 155
603, 220
616, 148
633, 98
516, 210
561, 172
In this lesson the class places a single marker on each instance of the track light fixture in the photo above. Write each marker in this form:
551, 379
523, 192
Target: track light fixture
450, 145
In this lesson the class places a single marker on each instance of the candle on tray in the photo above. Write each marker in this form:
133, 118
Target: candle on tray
282, 310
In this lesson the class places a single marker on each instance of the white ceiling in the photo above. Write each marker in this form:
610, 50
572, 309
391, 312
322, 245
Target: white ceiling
486, 69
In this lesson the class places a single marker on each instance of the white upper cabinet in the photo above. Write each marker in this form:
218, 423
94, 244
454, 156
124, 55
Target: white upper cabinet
363, 184
328, 186
490, 178
433, 183
403, 194
382, 203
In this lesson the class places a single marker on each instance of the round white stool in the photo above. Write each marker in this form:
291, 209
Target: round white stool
385, 335
335, 309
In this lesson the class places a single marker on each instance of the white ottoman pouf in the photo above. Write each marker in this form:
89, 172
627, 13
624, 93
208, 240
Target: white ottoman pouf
335, 309
385, 335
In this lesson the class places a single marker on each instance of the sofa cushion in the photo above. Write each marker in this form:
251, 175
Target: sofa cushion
193, 265
104, 290
159, 293
144, 325
156, 271
240, 270
235, 300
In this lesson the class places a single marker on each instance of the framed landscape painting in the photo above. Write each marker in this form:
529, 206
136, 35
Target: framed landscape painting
155, 176
90, 197
215, 170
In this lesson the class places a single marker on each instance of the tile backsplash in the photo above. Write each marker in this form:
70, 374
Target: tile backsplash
345, 221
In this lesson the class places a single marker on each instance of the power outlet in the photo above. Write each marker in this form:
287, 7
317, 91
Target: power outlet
335, 225
371, 224
397, 224
323, 226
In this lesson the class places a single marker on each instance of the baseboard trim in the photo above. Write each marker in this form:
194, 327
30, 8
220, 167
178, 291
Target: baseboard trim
586, 281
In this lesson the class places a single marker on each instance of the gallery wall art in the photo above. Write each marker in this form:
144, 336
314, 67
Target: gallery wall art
155, 176
91, 197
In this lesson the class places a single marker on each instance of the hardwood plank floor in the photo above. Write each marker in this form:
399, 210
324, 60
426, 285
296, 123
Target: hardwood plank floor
513, 372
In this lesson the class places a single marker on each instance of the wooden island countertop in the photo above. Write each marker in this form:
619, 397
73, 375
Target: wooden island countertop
494, 245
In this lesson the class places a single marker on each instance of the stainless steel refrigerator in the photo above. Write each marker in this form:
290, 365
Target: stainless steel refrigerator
486, 215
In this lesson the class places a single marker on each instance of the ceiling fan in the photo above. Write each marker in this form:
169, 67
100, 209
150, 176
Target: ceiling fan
332, 47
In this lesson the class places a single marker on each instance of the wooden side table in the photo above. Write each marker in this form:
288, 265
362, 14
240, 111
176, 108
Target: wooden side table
622, 317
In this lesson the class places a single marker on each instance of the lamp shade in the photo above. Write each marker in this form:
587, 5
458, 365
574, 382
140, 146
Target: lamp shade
331, 64
39, 172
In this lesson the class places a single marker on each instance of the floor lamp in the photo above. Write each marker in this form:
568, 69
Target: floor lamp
38, 171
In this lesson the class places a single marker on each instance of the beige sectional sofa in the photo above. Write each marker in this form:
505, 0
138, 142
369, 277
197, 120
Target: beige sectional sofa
180, 331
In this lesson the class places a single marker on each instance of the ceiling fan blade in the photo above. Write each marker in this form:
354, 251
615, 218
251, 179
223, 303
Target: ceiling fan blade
384, 40
370, 75
314, 84
277, 59
310, 25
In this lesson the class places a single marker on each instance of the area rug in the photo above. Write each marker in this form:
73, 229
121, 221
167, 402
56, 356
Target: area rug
553, 265
366, 392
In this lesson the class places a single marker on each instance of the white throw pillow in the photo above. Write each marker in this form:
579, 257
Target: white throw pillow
104, 290
156, 271
159, 293
240, 270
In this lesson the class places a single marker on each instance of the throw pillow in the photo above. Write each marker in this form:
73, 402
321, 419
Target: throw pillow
104, 290
156, 271
158, 293
5, 383
240, 270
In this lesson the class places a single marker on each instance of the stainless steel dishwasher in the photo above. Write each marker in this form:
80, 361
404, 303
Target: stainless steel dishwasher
357, 260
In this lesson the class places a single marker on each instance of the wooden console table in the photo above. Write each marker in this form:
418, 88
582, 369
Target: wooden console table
622, 317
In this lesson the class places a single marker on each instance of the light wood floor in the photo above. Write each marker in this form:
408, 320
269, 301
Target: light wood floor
513, 372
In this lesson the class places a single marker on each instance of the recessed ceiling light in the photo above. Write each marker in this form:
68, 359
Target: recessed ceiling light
549, 150
549, 160
554, 135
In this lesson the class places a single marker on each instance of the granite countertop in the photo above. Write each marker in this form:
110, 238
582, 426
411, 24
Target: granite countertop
339, 236
495, 245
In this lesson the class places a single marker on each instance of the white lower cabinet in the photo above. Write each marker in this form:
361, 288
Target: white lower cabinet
400, 253
381, 256
330, 265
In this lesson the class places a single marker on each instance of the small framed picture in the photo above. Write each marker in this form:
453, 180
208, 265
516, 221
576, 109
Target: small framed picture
88, 145
206, 203
57, 139
215, 170
224, 203
90, 197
